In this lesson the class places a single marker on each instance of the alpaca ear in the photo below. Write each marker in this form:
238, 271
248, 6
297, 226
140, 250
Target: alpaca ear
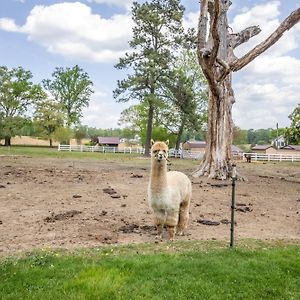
152, 142
167, 142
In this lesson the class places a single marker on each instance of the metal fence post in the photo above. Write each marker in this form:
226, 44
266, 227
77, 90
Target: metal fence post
233, 176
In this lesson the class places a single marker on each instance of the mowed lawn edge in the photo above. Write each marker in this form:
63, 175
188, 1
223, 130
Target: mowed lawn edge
179, 270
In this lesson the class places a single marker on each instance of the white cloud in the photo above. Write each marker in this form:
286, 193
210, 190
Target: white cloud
191, 20
9, 25
267, 17
103, 112
267, 89
72, 30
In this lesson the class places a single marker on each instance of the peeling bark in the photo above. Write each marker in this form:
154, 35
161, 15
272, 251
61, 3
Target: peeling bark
217, 60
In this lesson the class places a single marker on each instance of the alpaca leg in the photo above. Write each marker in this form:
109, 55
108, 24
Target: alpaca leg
171, 222
183, 217
159, 220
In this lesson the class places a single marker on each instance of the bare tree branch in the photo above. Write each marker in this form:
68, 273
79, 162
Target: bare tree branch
202, 26
287, 24
236, 39
215, 32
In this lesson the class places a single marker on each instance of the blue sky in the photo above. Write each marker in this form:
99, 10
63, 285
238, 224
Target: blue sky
40, 35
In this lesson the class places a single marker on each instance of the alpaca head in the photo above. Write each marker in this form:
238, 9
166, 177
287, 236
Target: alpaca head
159, 151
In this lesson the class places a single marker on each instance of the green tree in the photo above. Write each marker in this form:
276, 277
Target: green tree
79, 134
186, 95
240, 136
157, 32
62, 135
17, 94
72, 88
292, 134
135, 119
48, 117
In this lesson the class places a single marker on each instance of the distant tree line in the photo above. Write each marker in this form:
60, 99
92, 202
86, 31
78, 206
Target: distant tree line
50, 110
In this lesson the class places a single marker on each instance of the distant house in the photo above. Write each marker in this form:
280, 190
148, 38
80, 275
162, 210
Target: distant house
108, 141
264, 149
290, 150
279, 142
198, 146
236, 151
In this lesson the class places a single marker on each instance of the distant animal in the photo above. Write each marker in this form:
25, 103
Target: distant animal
248, 158
169, 193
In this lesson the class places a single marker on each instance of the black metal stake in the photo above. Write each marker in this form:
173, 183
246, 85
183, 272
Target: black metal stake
232, 205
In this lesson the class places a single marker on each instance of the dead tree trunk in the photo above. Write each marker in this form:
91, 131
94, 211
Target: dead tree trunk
217, 60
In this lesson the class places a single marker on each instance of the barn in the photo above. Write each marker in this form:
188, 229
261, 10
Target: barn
264, 149
108, 141
290, 150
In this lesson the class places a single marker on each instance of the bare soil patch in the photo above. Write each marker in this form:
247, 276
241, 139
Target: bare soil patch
81, 203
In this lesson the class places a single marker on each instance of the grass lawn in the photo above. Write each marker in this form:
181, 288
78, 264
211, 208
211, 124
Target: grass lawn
53, 152
127, 158
179, 270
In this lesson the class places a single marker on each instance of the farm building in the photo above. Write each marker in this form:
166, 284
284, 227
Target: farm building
290, 150
236, 151
108, 141
279, 142
200, 146
264, 149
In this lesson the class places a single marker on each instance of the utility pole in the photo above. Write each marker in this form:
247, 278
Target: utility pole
277, 146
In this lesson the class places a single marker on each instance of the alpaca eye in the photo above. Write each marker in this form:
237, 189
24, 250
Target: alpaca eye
155, 151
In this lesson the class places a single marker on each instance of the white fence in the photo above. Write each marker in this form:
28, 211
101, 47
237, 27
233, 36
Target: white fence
104, 149
176, 153
272, 157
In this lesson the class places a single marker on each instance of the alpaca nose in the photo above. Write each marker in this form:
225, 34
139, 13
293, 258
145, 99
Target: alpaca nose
160, 156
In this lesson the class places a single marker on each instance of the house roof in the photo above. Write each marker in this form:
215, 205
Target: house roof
202, 144
196, 144
236, 149
261, 147
291, 147
108, 140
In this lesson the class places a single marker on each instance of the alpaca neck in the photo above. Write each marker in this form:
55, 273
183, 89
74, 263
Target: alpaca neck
158, 176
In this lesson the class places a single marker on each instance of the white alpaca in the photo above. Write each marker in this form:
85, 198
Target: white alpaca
169, 193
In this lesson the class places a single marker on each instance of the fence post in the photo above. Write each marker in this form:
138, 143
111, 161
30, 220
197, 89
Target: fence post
233, 176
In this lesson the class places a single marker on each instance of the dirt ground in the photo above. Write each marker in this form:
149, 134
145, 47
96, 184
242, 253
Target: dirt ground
50, 202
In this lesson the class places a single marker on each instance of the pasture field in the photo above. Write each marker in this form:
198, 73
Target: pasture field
178, 270
78, 226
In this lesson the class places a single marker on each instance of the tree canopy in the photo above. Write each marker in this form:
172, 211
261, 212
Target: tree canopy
157, 33
72, 88
48, 118
17, 94
292, 134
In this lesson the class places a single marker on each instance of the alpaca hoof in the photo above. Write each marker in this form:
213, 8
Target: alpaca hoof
158, 238
180, 233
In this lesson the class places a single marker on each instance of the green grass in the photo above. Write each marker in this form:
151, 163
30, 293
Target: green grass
180, 270
53, 152
134, 159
